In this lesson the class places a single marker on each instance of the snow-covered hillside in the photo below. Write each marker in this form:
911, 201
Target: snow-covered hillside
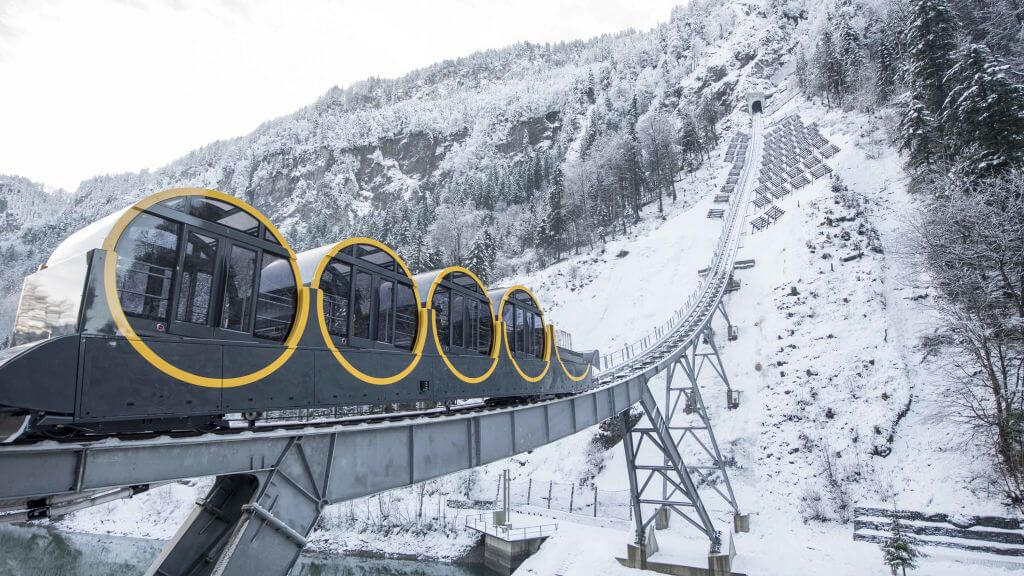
842, 391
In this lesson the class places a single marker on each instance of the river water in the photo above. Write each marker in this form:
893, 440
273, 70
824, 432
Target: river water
31, 551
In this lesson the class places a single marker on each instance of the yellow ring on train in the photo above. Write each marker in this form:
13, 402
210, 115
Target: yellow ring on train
508, 351
495, 342
421, 328
125, 327
554, 344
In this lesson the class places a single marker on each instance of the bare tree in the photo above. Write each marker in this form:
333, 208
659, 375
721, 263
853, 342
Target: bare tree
972, 240
657, 134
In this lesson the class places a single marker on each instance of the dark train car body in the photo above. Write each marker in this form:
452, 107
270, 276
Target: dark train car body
190, 305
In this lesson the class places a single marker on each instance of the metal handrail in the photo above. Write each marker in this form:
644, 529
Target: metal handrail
697, 305
479, 523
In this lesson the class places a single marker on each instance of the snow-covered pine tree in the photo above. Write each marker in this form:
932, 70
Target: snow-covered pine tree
829, 67
849, 51
917, 132
552, 229
482, 256
634, 167
899, 552
932, 37
804, 78
887, 61
984, 112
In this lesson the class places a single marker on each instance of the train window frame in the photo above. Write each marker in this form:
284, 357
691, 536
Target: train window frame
347, 321
529, 348
151, 323
355, 256
269, 296
173, 210
470, 293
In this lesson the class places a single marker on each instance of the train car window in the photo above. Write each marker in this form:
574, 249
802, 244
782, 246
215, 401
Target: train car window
277, 299
236, 307
473, 315
50, 302
484, 342
386, 312
508, 316
538, 336
520, 330
179, 203
376, 256
442, 307
196, 290
361, 303
458, 325
147, 251
463, 320
224, 214
531, 323
337, 288
406, 318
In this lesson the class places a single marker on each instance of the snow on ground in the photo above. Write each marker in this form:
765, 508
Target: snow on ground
827, 373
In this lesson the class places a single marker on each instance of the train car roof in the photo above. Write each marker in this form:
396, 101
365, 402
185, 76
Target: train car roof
85, 239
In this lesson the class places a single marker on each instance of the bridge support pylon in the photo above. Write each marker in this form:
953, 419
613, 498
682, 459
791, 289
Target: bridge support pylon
254, 523
683, 499
684, 402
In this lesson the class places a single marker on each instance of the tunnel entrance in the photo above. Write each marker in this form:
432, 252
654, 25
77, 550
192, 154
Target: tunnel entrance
756, 107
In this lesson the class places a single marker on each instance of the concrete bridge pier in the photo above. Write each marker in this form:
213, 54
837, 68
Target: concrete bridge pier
503, 556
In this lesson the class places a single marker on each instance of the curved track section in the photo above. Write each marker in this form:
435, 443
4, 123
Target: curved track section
273, 484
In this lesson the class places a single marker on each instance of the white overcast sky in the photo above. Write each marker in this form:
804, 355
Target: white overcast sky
90, 87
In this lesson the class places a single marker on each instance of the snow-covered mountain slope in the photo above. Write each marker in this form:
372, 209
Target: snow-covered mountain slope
843, 396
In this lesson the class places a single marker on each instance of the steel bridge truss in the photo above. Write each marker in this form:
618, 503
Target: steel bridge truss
684, 401
680, 480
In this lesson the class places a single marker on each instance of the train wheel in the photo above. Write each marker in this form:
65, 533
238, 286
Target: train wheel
251, 418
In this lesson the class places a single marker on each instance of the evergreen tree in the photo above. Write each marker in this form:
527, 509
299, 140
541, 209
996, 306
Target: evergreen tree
850, 52
931, 35
483, 255
707, 112
899, 552
803, 73
917, 133
433, 259
984, 112
552, 229
887, 58
634, 167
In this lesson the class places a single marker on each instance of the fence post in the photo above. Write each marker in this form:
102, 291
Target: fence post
572, 495
551, 485
595, 502
529, 489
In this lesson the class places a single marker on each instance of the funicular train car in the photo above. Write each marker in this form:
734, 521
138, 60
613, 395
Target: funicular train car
190, 304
